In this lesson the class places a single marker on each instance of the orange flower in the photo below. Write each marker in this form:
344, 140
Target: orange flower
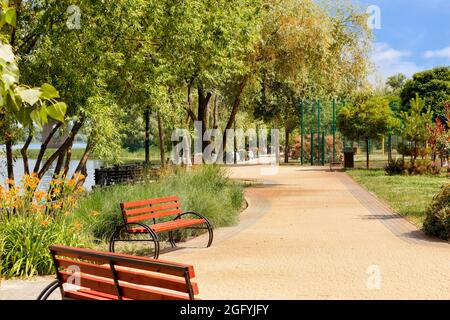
56, 205
78, 176
45, 223
39, 195
77, 226
71, 183
80, 190
56, 181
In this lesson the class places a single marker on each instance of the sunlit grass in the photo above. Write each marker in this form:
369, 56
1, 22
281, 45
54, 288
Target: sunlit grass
407, 195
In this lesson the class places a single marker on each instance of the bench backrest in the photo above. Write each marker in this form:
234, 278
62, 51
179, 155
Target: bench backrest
150, 209
121, 277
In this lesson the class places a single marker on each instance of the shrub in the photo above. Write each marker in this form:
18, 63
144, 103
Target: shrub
395, 167
437, 222
205, 189
418, 167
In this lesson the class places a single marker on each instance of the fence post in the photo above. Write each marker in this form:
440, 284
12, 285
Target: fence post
334, 130
312, 147
323, 148
318, 130
302, 124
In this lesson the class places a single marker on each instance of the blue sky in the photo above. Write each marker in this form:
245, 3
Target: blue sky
414, 35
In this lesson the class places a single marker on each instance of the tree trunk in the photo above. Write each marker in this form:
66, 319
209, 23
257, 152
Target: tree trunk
24, 152
161, 141
83, 161
203, 111
67, 163
286, 144
82, 165
9, 159
367, 154
234, 110
59, 165
41, 154
215, 111
147, 136
63, 148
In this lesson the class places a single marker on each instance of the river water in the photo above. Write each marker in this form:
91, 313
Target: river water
19, 172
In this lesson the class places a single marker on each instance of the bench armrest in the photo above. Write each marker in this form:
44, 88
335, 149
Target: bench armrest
194, 213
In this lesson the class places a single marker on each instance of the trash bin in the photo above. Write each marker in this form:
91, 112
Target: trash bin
349, 158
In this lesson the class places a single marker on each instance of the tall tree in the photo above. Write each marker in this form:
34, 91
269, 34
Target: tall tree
309, 50
365, 120
415, 124
433, 86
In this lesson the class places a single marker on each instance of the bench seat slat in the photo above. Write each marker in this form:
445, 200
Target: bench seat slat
141, 263
128, 290
129, 275
88, 295
169, 225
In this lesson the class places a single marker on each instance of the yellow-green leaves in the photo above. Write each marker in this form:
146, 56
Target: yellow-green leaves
57, 111
6, 53
28, 104
49, 92
30, 96
7, 15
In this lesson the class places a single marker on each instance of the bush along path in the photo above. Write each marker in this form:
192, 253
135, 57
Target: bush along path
437, 222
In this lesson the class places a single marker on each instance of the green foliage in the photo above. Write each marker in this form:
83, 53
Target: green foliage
396, 82
206, 190
432, 85
415, 125
366, 119
437, 222
25, 104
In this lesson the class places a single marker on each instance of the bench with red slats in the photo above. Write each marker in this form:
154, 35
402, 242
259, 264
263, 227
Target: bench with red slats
84, 274
141, 217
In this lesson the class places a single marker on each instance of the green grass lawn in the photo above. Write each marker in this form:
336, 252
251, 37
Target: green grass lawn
407, 195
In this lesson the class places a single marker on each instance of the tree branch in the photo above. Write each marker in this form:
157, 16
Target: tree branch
44, 147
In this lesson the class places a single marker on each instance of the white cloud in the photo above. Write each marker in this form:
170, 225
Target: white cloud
390, 61
442, 53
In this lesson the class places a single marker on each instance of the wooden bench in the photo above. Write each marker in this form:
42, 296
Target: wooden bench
141, 217
84, 274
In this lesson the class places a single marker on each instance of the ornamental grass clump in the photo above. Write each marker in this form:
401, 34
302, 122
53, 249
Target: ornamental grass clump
31, 220
205, 189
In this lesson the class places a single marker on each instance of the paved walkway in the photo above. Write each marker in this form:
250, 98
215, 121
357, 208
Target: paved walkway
312, 234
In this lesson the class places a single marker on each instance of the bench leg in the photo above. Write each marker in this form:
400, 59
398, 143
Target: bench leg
122, 234
208, 227
48, 290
